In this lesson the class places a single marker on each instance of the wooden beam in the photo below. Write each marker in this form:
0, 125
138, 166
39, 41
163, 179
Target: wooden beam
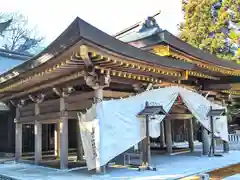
218, 87
27, 119
28, 107
127, 81
45, 85
83, 52
72, 114
54, 102
167, 84
49, 116
180, 116
119, 57
213, 93
54, 60
177, 109
80, 97
235, 87
24, 113
116, 94
79, 105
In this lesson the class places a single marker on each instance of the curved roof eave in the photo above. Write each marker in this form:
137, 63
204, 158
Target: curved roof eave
166, 37
79, 29
177, 43
15, 55
57, 46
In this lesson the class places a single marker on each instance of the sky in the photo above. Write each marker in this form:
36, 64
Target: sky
53, 16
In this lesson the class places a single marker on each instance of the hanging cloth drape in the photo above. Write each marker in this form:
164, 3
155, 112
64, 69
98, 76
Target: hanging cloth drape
117, 126
199, 106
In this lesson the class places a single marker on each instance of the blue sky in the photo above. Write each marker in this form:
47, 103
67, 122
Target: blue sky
53, 16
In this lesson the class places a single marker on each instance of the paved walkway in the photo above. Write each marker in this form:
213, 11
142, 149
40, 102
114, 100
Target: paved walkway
168, 167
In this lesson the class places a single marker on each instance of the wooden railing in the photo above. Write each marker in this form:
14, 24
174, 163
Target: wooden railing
234, 138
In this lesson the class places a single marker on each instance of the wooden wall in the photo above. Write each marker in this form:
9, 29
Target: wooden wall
50, 113
49, 106
27, 110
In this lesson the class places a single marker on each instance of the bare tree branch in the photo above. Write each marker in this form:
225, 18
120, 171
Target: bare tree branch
19, 36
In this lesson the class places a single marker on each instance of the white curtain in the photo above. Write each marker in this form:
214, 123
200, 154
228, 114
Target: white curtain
199, 106
121, 128
90, 135
118, 127
220, 124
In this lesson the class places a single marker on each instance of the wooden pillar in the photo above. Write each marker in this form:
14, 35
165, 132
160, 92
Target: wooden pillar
168, 129
63, 143
63, 136
38, 141
98, 94
146, 150
225, 147
173, 132
225, 143
38, 136
18, 136
98, 98
79, 142
190, 135
37, 127
185, 130
205, 141
10, 129
46, 137
146, 142
148, 154
18, 141
96, 83
57, 139
162, 135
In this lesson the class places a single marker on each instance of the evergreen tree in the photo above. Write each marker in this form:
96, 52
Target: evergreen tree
213, 26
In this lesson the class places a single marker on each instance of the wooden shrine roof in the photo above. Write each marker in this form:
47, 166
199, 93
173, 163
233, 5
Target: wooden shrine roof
146, 35
62, 58
166, 38
80, 30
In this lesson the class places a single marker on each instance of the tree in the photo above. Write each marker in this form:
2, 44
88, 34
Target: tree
19, 36
213, 26
4, 25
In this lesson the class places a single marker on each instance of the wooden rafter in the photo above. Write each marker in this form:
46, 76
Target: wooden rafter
163, 50
80, 59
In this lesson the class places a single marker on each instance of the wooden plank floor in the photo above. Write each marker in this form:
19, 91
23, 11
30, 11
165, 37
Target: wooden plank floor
220, 173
